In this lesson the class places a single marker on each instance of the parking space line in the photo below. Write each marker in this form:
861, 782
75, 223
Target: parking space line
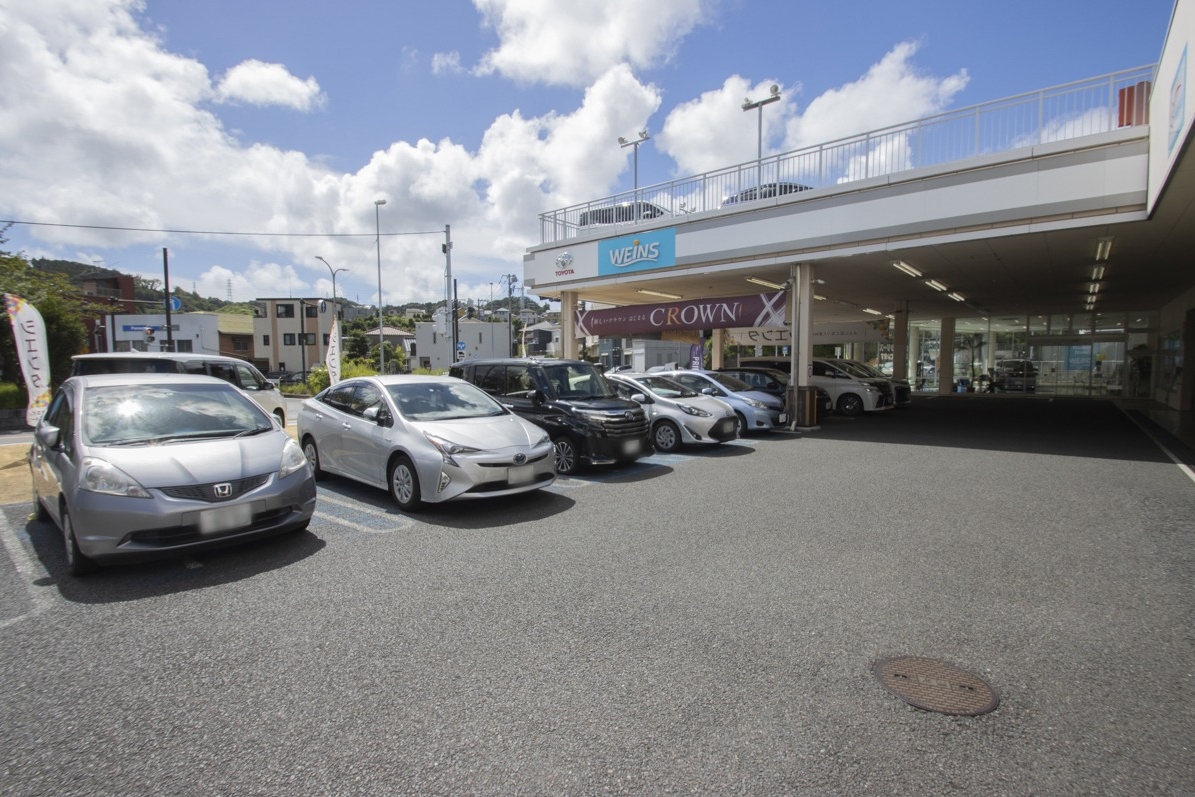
399, 521
1181, 465
17, 544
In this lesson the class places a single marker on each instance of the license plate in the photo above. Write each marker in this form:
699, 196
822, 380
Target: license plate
520, 475
783, 418
212, 521
630, 447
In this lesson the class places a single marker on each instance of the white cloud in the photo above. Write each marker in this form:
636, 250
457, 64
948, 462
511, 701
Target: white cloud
892, 91
258, 83
686, 135
99, 125
571, 44
447, 63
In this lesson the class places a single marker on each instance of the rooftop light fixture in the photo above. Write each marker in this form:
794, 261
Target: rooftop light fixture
1093, 288
956, 297
906, 268
766, 283
1097, 273
819, 297
873, 312
937, 286
661, 294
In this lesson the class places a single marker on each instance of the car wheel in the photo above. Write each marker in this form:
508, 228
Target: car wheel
404, 484
850, 405
741, 421
568, 459
666, 437
76, 562
312, 454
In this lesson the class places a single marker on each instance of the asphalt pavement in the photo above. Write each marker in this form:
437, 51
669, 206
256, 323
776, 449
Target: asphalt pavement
699, 623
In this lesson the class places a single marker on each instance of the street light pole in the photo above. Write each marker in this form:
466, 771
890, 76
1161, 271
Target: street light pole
334, 271
377, 220
622, 142
748, 105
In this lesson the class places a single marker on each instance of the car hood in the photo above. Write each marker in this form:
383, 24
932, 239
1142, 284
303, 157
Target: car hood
198, 461
758, 395
600, 404
485, 434
711, 404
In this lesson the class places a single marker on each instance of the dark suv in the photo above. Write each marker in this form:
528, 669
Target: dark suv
572, 401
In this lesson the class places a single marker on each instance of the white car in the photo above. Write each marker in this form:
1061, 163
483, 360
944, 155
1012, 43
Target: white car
757, 411
678, 415
426, 439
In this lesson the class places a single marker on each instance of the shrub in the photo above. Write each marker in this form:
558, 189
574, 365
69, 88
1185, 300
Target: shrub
12, 396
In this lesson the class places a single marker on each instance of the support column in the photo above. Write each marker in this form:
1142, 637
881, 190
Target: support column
803, 406
716, 349
900, 343
946, 357
568, 325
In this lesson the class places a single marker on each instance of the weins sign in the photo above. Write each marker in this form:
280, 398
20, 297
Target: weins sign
756, 310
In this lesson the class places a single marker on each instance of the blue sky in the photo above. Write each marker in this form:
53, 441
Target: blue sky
293, 117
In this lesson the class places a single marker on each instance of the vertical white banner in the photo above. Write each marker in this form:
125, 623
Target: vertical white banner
29, 334
333, 358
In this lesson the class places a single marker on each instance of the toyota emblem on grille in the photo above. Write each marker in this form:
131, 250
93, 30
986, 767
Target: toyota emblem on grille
222, 490
520, 459
630, 416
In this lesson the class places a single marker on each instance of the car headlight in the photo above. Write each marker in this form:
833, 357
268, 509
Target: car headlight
292, 459
597, 418
700, 413
448, 449
759, 405
100, 476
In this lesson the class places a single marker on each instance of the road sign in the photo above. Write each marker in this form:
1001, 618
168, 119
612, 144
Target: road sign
460, 355
176, 303
460, 345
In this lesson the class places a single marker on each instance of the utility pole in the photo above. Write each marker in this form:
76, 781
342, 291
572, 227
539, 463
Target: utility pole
449, 289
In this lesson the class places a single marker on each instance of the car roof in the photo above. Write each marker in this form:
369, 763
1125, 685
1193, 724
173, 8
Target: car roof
408, 379
158, 355
102, 380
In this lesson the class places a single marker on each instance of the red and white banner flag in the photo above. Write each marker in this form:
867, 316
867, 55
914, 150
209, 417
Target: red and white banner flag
29, 333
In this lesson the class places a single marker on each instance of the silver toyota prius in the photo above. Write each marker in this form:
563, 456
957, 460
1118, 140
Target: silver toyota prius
132, 466
424, 438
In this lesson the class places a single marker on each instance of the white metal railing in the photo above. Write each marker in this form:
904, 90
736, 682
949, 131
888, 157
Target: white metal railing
1072, 110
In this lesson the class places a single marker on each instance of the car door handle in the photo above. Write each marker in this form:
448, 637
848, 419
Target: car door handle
346, 425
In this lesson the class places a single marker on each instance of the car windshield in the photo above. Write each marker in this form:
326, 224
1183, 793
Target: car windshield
577, 380
730, 383
664, 387
443, 401
134, 414
855, 369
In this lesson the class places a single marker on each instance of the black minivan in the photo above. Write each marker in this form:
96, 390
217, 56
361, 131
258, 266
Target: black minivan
588, 422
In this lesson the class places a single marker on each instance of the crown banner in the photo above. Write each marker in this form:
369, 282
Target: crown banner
761, 310
29, 334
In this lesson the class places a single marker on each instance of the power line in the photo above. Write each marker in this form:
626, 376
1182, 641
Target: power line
217, 232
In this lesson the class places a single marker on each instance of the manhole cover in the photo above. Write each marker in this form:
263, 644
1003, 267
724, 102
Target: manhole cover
936, 686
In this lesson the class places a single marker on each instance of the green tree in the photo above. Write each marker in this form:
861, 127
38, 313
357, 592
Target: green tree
62, 308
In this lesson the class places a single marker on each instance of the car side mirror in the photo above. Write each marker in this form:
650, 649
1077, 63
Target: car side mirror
641, 398
379, 415
538, 397
48, 435
709, 391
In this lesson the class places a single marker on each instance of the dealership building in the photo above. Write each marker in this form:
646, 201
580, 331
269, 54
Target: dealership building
1056, 226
